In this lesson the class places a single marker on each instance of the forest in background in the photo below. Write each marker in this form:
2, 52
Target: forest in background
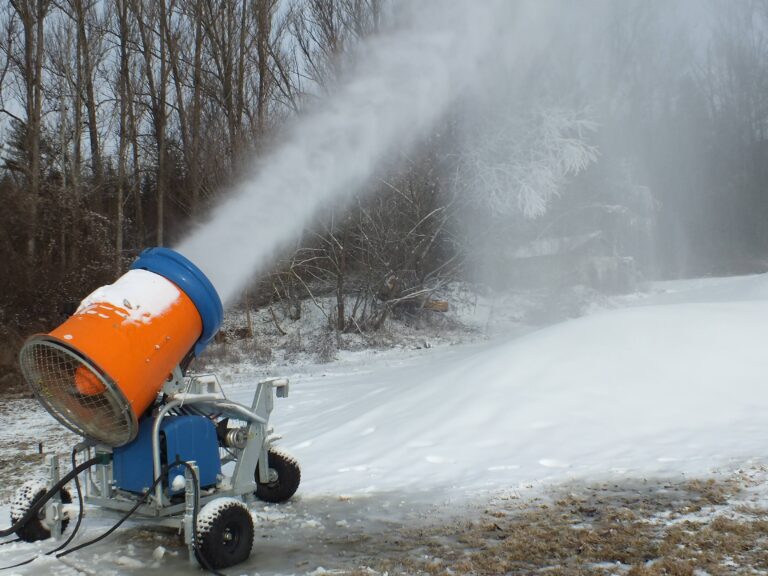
634, 151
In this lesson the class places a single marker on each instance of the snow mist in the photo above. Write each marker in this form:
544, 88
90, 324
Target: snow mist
404, 80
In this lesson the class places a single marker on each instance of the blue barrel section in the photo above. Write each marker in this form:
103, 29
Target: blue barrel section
173, 266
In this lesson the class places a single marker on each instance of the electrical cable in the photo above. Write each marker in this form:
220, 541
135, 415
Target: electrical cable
25, 562
45, 498
75, 529
79, 519
119, 523
37, 506
195, 509
10, 541
76, 470
81, 510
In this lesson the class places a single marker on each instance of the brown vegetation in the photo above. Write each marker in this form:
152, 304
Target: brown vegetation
638, 528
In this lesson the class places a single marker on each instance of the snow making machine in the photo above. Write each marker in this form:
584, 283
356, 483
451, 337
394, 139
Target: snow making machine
159, 444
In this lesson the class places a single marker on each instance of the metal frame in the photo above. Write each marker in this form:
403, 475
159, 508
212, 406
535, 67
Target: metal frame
204, 395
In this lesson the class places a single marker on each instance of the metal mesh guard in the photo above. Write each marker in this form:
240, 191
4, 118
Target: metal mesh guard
50, 367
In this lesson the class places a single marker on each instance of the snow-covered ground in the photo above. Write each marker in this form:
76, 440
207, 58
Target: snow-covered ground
671, 385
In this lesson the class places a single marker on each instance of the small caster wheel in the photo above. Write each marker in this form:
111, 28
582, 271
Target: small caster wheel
284, 478
36, 528
224, 534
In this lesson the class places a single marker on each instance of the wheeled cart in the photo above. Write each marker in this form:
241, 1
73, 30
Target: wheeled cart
196, 464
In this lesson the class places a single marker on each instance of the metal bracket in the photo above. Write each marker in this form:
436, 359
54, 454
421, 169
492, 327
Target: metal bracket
257, 445
54, 510
175, 382
189, 508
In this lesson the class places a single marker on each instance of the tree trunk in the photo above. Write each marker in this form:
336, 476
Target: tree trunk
136, 178
90, 98
263, 22
35, 124
32, 15
197, 78
123, 82
63, 168
162, 177
341, 273
157, 94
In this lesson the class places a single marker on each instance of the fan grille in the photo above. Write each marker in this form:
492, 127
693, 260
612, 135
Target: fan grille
55, 373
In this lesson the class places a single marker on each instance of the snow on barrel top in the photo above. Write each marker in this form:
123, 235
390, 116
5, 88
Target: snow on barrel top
137, 296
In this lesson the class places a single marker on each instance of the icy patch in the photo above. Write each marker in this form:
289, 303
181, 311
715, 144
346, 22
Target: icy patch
128, 562
312, 523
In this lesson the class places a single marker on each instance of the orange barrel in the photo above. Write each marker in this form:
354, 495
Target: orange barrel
100, 370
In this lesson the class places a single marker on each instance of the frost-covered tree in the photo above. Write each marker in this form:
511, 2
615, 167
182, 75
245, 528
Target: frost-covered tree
518, 161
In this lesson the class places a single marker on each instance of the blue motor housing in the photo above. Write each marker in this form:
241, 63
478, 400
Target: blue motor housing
184, 437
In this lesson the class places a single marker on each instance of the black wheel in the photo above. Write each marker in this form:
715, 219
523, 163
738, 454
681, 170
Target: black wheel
284, 478
224, 533
27, 496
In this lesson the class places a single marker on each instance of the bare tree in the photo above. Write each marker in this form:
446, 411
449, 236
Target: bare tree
123, 90
80, 12
151, 21
29, 66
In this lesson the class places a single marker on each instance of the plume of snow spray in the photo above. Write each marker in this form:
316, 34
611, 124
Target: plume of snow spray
403, 82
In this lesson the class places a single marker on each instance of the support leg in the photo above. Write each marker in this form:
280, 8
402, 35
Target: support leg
54, 510
190, 503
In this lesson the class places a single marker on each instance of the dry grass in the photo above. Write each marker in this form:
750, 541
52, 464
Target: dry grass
640, 529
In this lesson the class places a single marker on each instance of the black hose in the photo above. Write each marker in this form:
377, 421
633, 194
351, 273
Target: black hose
81, 511
37, 506
196, 508
119, 523
10, 541
48, 495
24, 563
74, 474
195, 483
79, 520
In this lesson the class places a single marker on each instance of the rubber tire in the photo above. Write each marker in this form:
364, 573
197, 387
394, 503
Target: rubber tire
225, 537
26, 497
288, 478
